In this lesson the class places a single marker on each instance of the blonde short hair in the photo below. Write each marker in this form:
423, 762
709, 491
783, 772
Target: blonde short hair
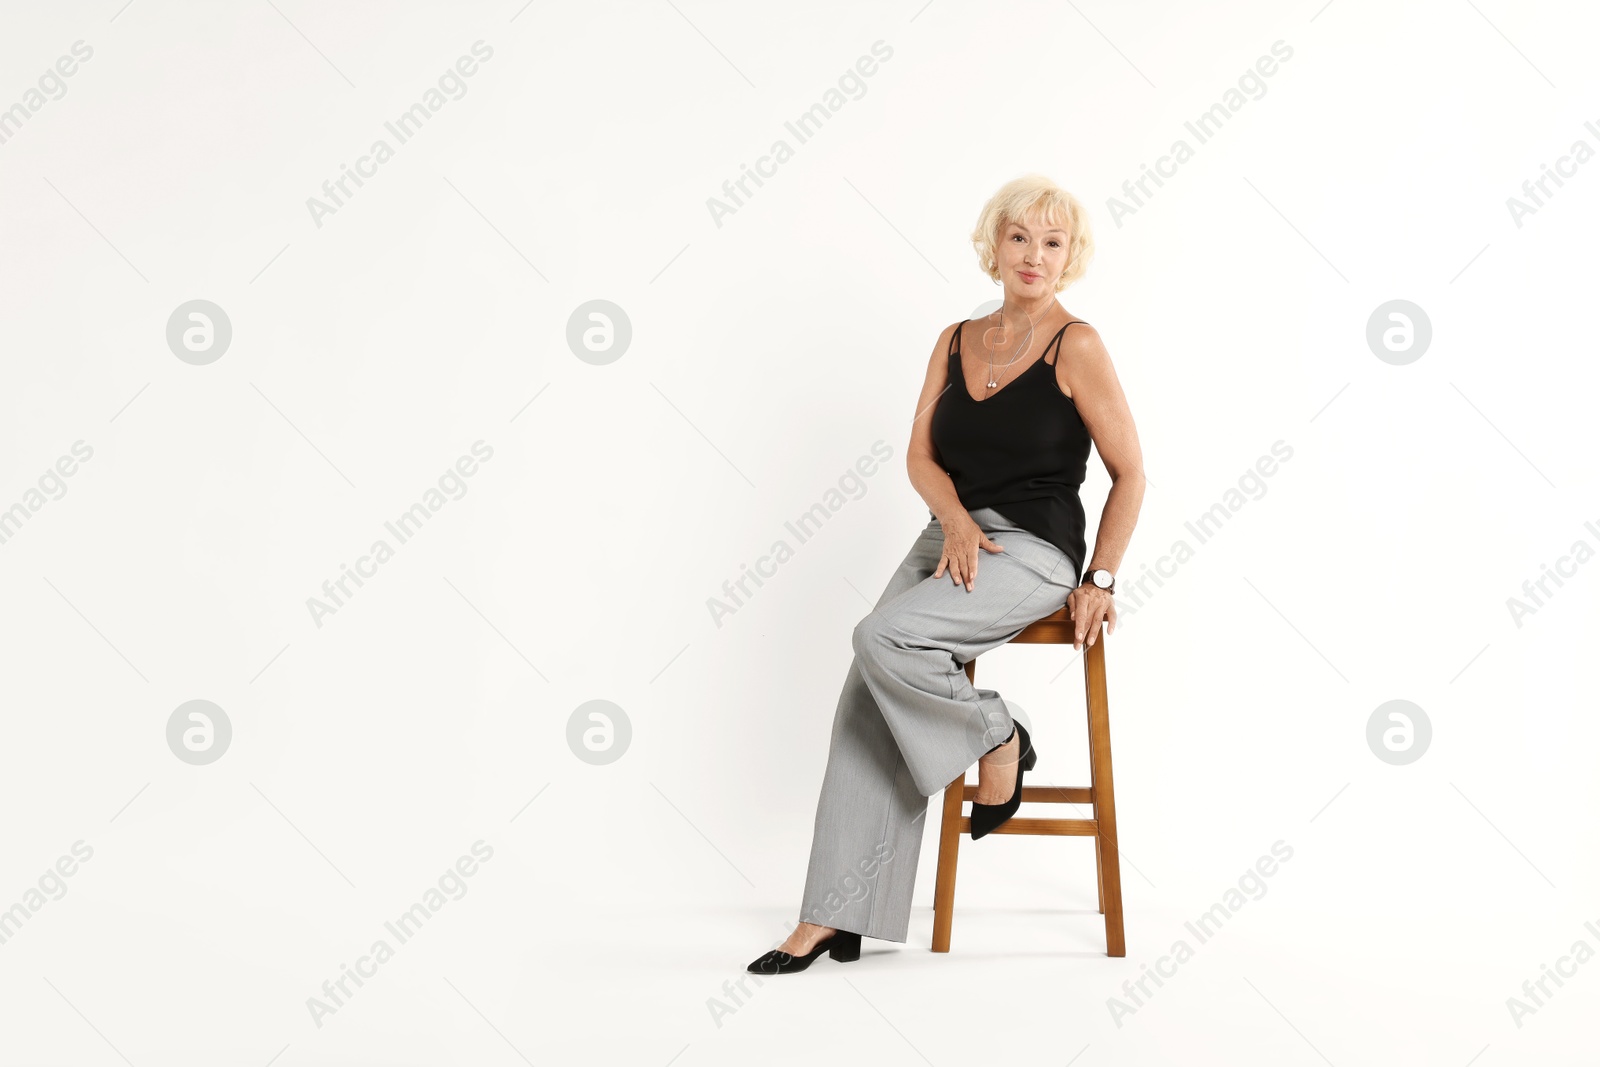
1017, 199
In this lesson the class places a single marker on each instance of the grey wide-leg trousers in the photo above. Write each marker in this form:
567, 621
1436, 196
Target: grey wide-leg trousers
909, 721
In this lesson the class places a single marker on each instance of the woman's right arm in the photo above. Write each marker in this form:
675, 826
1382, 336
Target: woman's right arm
962, 536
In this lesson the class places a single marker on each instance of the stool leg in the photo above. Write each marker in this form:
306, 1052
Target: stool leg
1099, 875
944, 885
1105, 805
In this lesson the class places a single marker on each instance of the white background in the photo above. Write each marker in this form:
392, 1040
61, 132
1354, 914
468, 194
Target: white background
432, 709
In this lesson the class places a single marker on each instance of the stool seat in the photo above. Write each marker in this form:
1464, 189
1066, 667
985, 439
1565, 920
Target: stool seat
1053, 629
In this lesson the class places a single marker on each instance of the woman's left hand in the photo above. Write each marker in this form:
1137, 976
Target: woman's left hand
1087, 605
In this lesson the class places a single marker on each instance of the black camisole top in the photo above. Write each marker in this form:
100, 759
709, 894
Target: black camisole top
1024, 451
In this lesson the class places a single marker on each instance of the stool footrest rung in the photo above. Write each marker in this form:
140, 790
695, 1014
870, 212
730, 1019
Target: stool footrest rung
1044, 827
1045, 794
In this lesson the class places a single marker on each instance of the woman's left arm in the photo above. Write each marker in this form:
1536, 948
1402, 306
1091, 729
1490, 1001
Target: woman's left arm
1084, 371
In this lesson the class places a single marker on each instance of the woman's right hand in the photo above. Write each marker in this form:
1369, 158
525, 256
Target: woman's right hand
962, 539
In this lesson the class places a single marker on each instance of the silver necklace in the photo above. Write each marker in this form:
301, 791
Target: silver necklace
991, 383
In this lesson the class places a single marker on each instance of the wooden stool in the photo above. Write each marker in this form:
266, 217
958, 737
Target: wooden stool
1055, 630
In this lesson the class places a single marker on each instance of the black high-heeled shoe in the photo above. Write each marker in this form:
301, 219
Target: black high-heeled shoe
987, 818
842, 945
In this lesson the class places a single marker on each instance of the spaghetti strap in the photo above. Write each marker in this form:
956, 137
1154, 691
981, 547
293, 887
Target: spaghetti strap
1055, 342
953, 358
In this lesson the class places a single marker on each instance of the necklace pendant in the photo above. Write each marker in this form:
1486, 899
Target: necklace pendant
993, 384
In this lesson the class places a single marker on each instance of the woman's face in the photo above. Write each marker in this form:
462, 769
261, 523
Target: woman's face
1031, 255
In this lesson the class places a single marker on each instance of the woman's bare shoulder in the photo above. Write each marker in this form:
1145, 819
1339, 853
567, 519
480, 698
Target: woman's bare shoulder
1083, 342
1083, 361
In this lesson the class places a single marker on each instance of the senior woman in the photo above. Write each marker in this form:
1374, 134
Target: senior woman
999, 446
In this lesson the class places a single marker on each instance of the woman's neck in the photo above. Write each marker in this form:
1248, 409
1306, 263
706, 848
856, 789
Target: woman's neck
1017, 313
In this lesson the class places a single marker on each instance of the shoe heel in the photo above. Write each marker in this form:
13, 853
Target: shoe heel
1031, 756
846, 947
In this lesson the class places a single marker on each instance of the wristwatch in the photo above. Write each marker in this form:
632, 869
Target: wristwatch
1103, 579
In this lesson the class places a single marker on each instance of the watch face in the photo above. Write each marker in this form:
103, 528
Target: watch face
1102, 579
